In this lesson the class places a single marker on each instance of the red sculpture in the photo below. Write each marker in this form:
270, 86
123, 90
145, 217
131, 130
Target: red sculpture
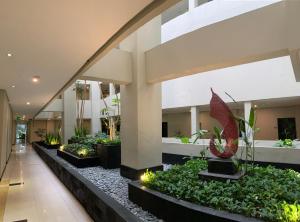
221, 112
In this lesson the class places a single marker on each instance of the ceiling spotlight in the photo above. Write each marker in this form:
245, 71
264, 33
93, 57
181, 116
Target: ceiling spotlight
255, 106
13, 86
9, 54
28, 103
35, 79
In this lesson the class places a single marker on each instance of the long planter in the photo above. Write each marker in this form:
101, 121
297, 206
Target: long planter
42, 143
110, 155
171, 209
79, 162
100, 206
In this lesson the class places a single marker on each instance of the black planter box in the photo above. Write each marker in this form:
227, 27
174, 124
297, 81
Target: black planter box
99, 205
171, 209
51, 146
42, 143
110, 155
79, 162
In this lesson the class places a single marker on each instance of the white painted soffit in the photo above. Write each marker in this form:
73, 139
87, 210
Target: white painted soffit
57, 40
265, 33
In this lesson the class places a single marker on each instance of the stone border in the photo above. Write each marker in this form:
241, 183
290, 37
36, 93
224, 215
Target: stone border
171, 209
99, 205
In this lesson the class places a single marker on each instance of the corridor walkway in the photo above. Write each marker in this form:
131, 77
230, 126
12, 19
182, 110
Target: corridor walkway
41, 198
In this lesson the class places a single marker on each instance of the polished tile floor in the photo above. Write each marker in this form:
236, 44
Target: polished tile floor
42, 197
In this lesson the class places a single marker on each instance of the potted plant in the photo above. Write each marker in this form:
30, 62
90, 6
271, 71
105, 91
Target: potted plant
109, 152
109, 149
52, 141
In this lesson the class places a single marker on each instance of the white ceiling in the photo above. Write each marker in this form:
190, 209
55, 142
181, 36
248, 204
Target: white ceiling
53, 39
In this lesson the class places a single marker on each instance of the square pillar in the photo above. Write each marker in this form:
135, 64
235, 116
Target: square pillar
112, 90
141, 114
95, 107
69, 115
194, 119
247, 109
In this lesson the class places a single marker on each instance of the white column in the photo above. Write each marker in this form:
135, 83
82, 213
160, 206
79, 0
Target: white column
69, 115
112, 90
194, 119
141, 107
192, 4
95, 107
247, 109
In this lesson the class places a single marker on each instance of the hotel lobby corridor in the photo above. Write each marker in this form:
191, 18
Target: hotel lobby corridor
40, 196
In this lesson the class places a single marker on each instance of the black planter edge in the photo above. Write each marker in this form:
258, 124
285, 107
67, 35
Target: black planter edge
79, 162
170, 158
171, 209
135, 174
100, 206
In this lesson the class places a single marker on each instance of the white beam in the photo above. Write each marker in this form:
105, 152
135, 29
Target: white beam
265, 33
116, 66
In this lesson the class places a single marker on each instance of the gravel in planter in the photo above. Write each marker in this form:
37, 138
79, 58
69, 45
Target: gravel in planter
112, 183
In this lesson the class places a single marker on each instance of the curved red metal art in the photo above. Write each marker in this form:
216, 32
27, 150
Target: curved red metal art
221, 112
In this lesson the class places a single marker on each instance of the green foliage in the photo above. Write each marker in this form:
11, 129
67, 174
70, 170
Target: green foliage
52, 139
101, 135
185, 140
287, 143
290, 212
199, 135
80, 131
80, 150
266, 193
108, 141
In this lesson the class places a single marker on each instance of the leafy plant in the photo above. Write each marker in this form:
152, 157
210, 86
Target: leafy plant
80, 150
108, 141
265, 193
80, 132
184, 140
287, 143
101, 135
81, 89
52, 139
248, 129
111, 114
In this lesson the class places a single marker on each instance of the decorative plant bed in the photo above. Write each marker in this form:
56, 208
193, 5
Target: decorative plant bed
110, 155
171, 209
263, 193
79, 162
100, 206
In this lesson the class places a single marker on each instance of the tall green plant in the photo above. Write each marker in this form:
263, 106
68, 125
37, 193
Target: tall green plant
111, 114
248, 129
81, 89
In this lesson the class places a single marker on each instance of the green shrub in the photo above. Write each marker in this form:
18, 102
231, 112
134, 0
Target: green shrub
52, 139
287, 143
108, 141
80, 150
266, 193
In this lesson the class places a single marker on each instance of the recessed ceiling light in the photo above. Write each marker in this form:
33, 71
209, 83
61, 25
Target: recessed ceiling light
255, 106
9, 54
28, 103
13, 86
35, 79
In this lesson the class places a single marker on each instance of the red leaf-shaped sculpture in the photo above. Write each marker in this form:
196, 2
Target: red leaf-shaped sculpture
221, 112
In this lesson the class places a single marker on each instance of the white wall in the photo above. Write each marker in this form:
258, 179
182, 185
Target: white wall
207, 14
264, 150
5, 130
